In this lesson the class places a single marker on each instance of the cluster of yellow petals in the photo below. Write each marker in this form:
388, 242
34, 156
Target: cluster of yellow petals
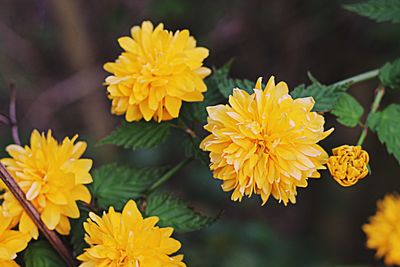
265, 143
383, 230
127, 239
53, 178
348, 165
158, 70
11, 241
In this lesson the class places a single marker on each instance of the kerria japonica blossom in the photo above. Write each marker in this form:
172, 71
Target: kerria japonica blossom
157, 71
11, 241
265, 143
52, 176
383, 230
127, 239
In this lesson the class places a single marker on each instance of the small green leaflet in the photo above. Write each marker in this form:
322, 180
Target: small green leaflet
325, 96
386, 124
379, 10
138, 135
113, 185
77, 233
175, 213
41, 254
389, 74
348, 110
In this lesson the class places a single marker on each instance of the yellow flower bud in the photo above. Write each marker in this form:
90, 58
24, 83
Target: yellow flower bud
348, 164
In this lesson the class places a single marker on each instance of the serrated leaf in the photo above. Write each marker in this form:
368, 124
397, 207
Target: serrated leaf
77, 233
389, 74
192, 150
138, 135
378, 10
41, 254
225, 85
348, 110
325, 96
386, 124
175, 213
113, 185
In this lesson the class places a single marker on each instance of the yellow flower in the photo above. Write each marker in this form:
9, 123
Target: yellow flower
383, 230
126, 239
11, 241
156, 72
53, 177
348, 164
265, 143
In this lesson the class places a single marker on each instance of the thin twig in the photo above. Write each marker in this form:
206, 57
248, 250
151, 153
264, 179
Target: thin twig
380, 91
13, 115
4, 119
167, 176
51, 236
358, 78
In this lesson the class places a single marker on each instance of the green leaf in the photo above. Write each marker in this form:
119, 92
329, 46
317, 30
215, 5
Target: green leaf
173, 212
41, 254
138, 135
348, 110
113, 185
226, 85
389, 74
77, 233
378, 10
325, 96
192, 150
386, 124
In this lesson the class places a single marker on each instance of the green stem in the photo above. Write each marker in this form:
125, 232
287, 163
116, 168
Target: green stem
380, 91
359, 78
168, 175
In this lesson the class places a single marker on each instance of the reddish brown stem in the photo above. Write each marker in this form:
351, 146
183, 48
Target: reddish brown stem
4, 119
13, 115
51, 236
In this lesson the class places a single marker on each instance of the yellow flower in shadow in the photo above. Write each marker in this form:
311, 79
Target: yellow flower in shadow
348, 164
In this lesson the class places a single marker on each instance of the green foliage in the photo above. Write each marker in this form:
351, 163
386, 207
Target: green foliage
348, 110
138, 135
325, 96
389, 74
192, 150
379, 10
175, 213
386, 124
226, 85
41, 254
77, 233
113, 185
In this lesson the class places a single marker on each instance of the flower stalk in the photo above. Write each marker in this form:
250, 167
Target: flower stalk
168, 176
358, 78
380, 91
51, 236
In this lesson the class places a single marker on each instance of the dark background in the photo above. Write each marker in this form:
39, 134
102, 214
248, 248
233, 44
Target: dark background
54, 50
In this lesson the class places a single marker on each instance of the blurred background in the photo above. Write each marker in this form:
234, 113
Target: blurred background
53, 51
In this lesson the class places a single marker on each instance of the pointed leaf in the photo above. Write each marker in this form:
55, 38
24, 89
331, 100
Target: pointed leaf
173, 212
138, 135
325, 96
379, 10
389, 74
386, 124
348, 110
41, 254
113, 185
